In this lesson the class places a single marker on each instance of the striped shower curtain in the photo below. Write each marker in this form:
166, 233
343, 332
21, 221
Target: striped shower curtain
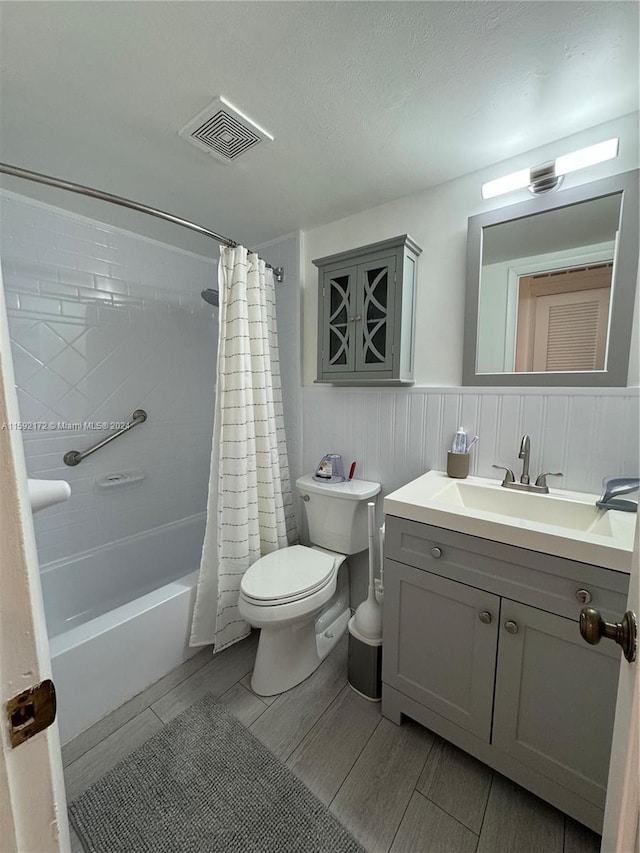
250, 509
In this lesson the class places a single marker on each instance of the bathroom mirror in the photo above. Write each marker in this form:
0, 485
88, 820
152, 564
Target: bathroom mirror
551, 288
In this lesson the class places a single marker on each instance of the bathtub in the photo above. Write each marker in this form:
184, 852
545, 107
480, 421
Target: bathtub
119, 618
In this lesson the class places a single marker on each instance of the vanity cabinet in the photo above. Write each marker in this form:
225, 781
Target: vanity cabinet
482, 645
366, 313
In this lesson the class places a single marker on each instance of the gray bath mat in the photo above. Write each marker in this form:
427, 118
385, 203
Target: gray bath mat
205, 784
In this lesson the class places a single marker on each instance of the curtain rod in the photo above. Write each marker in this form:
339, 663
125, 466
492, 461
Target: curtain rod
39, 178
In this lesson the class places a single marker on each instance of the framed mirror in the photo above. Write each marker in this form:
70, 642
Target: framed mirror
551, 285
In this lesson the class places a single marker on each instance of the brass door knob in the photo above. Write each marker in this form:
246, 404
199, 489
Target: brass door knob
625, 633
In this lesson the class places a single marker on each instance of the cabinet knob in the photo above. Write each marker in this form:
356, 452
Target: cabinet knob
511, 627
583, 596
485, 617
436, 553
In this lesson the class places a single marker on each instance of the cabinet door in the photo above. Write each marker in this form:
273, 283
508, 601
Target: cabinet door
375, 312
437, 648
338, 321
555, 699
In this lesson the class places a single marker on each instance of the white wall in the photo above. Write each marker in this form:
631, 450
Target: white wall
286, 253
103, 322
437, 220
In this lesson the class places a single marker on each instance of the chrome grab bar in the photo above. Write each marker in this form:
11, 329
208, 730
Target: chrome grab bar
75, 457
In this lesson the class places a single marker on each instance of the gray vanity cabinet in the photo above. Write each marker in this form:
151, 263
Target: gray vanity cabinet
446, 658
365, 313
482, 646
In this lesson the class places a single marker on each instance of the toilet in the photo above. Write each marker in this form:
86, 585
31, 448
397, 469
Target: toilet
299, 596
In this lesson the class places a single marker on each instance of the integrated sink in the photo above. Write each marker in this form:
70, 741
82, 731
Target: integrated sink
545, 509
563, 523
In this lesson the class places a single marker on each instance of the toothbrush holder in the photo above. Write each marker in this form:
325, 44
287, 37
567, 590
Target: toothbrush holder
457, 465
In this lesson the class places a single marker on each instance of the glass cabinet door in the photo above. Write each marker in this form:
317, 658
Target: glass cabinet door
375, 315
339, 313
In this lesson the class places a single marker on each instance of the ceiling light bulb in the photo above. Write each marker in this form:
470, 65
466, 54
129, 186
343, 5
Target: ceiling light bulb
587, 156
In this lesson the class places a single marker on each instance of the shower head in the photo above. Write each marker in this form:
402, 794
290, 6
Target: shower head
211, 296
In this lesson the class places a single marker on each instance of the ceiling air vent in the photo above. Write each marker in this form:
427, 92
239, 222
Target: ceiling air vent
223, 131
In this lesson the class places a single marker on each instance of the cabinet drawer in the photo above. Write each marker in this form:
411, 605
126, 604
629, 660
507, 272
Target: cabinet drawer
540, 580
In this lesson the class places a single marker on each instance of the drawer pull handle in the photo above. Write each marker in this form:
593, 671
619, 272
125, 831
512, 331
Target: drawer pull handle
511, 627
584, 596
436, 553
485, 617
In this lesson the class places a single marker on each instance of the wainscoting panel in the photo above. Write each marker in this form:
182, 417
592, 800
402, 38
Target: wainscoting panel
396, 435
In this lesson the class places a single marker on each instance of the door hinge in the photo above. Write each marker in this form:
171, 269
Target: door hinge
31, 711
395, 276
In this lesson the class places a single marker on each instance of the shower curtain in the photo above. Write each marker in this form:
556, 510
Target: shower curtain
250, 508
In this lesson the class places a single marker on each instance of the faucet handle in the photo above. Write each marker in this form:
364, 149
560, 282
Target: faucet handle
509, 475
542, 478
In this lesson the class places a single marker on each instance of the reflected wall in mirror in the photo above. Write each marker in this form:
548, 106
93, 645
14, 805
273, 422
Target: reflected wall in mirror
551, 288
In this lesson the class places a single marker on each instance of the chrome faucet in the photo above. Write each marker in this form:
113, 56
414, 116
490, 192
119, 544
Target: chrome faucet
525, 450
613, 488
540, 485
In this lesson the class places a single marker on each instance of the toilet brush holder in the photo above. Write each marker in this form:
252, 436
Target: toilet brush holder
364, 664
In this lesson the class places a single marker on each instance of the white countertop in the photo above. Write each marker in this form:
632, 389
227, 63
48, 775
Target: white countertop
432, 499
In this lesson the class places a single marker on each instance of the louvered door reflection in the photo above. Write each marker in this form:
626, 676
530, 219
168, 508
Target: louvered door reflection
374, 326
340, 311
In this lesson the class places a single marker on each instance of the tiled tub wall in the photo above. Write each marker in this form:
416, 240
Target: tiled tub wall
396, 435
103, 322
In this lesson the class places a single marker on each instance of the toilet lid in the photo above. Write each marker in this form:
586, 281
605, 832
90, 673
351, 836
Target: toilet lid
293, 571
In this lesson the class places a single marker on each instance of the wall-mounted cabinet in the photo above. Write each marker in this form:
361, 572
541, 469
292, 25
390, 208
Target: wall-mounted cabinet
482, 645
366, 314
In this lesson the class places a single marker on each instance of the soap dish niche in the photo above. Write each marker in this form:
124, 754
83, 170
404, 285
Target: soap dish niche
116, 479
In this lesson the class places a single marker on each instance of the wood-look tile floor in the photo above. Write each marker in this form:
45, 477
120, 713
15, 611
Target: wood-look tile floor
400, 789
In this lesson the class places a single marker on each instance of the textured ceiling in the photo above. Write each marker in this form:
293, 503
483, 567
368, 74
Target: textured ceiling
367, 101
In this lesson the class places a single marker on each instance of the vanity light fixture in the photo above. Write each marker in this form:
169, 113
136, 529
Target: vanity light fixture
548, 176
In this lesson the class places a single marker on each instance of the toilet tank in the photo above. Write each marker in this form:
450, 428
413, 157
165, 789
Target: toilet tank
337, 513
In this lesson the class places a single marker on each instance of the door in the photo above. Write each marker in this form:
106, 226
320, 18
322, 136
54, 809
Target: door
32, 799
375, 315
563, 319
439, 646
338, 310
555, 699
622, 811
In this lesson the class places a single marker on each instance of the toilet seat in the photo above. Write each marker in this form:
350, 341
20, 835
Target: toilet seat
287, 575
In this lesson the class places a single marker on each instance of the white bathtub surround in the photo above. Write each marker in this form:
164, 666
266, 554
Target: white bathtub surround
103, 322
119, 619
250, 509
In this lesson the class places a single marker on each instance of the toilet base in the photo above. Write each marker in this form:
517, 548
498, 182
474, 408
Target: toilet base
289, 654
